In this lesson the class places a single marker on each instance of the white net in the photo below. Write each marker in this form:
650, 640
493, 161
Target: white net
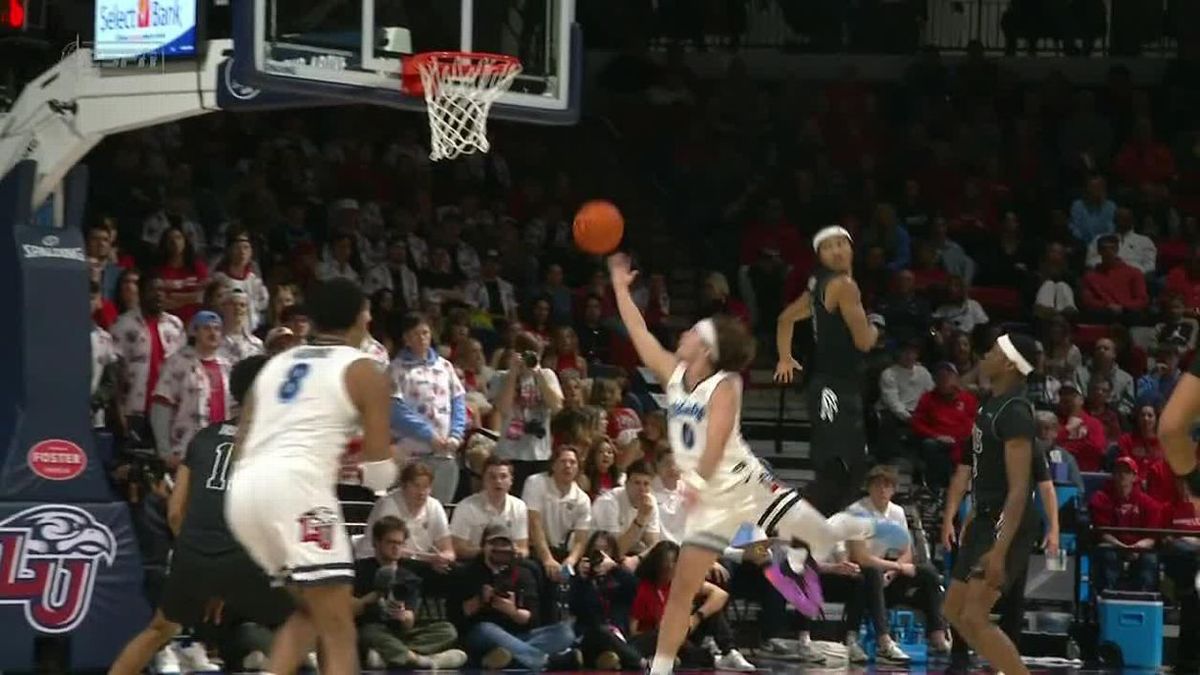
460, 89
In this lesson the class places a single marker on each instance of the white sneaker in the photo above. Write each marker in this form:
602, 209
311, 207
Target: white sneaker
451, 659
254, 661
375, 661
810, 653
312, 662
855, 653
166, 661
733, 660
194, 659
891, 654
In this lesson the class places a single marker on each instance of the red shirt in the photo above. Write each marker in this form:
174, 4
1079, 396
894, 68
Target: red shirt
156, 358
216, 390
649, 603
182, 281
1088, 446
936, 416
1139, 163
1182, 515
1181, 283
1137, 509
1121, 284
782, 237
106, 315
1154, 474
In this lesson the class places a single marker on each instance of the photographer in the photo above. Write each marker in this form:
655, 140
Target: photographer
526, 396
386, 596
601, 595
500, 616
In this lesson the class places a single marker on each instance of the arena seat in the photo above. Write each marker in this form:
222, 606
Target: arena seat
1000, 302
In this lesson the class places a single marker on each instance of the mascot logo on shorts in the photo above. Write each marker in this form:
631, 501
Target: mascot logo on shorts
317, 527
49, 558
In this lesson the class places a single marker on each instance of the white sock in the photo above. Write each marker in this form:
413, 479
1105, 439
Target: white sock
662, 665
851, 528
805, 637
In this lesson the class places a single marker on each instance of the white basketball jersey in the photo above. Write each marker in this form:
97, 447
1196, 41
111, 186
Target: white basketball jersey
303, 415
687, 427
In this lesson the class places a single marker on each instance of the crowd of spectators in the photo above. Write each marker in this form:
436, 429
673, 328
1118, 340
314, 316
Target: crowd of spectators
976, 202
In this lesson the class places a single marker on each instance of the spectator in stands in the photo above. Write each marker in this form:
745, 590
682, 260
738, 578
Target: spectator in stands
557, 293
1047, 442
928, 274
538, 319
279, 340
1094, 213
441, 282
282, 296
1081, 435
1136, 249
1121, 503
237, 270
1156, 386
1142, 445
1063, 358
386, 597
343, 261
175, 212
601, 470
560, 514
942, 422
127, 292
99, 253
954, 259
526, 396
655, 573
1055, 298
630, 513
719, 299
1011, 262
492, 505
396, 275
1104, 367
906, 312
1178, 328
1041, 387
1086, 140
192, 390
500, 609
295, 318
601, 597
104, 376
595, 340
1181, 564
1114, 291
901, 387
145, 337
490, 293
429, 549
1144, 161
1184, 281
961, 354
668, 491
1097, 404
904, 582
238, 342
886, 232
964, 312
429, 405
623, 424
182, 273
563, 355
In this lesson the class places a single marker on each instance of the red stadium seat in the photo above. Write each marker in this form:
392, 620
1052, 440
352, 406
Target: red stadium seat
998, 301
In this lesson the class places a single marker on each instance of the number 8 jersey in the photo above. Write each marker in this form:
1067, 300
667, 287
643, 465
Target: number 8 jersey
687, 427
303, 417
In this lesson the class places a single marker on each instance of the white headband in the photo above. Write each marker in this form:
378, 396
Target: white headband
829, 232
1013, 355
707, 330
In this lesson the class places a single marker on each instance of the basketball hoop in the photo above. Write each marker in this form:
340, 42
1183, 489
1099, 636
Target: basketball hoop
459, 90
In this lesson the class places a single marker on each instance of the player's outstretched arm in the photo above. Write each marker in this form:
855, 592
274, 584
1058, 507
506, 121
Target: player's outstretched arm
799, 310
1175, 425
849, 303
649, 350
371, 392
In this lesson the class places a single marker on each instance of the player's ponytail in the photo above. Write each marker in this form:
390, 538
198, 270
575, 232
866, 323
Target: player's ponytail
735, 344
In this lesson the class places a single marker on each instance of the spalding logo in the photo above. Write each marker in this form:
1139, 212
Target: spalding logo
56, 459
50, 556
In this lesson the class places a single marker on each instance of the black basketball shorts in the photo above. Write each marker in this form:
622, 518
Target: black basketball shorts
981, 536
838, 445
195, 579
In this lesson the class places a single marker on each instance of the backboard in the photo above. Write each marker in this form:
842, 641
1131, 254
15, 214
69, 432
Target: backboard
353, 49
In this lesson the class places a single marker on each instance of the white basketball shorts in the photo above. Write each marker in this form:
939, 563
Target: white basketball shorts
290, 527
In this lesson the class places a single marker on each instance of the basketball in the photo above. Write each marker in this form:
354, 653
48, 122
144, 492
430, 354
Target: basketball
599, 227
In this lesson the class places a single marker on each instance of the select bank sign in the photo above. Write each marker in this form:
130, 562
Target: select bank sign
128, 29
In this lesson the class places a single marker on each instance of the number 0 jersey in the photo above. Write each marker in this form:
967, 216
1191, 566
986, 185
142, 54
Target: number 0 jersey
687, 427
303, 417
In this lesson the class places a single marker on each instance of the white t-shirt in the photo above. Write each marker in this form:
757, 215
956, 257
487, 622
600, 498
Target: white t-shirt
425, 526
527, 408
475, 513
894, 513
613, 512
561, 513
671, 514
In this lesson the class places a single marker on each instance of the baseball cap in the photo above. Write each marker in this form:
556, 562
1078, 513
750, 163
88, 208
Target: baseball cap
496, 531
1126, 463
945, 366
276, 333
1069, 385
206, 318
624, 425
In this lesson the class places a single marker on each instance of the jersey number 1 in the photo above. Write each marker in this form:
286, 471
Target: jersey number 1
220, 468
291, 383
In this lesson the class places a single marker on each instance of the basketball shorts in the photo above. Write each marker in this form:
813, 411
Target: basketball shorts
290, 527
196, 578
762, 501
838, 445
981, 536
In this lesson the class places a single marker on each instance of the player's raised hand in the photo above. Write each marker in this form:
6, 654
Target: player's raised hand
786, 369
620, 270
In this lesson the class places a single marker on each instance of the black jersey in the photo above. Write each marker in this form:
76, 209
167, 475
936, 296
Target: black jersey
204, 529
834, 354
1000, 419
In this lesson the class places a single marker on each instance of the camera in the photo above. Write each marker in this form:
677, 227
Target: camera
146, 470
536, 428
530, 358
390, 586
